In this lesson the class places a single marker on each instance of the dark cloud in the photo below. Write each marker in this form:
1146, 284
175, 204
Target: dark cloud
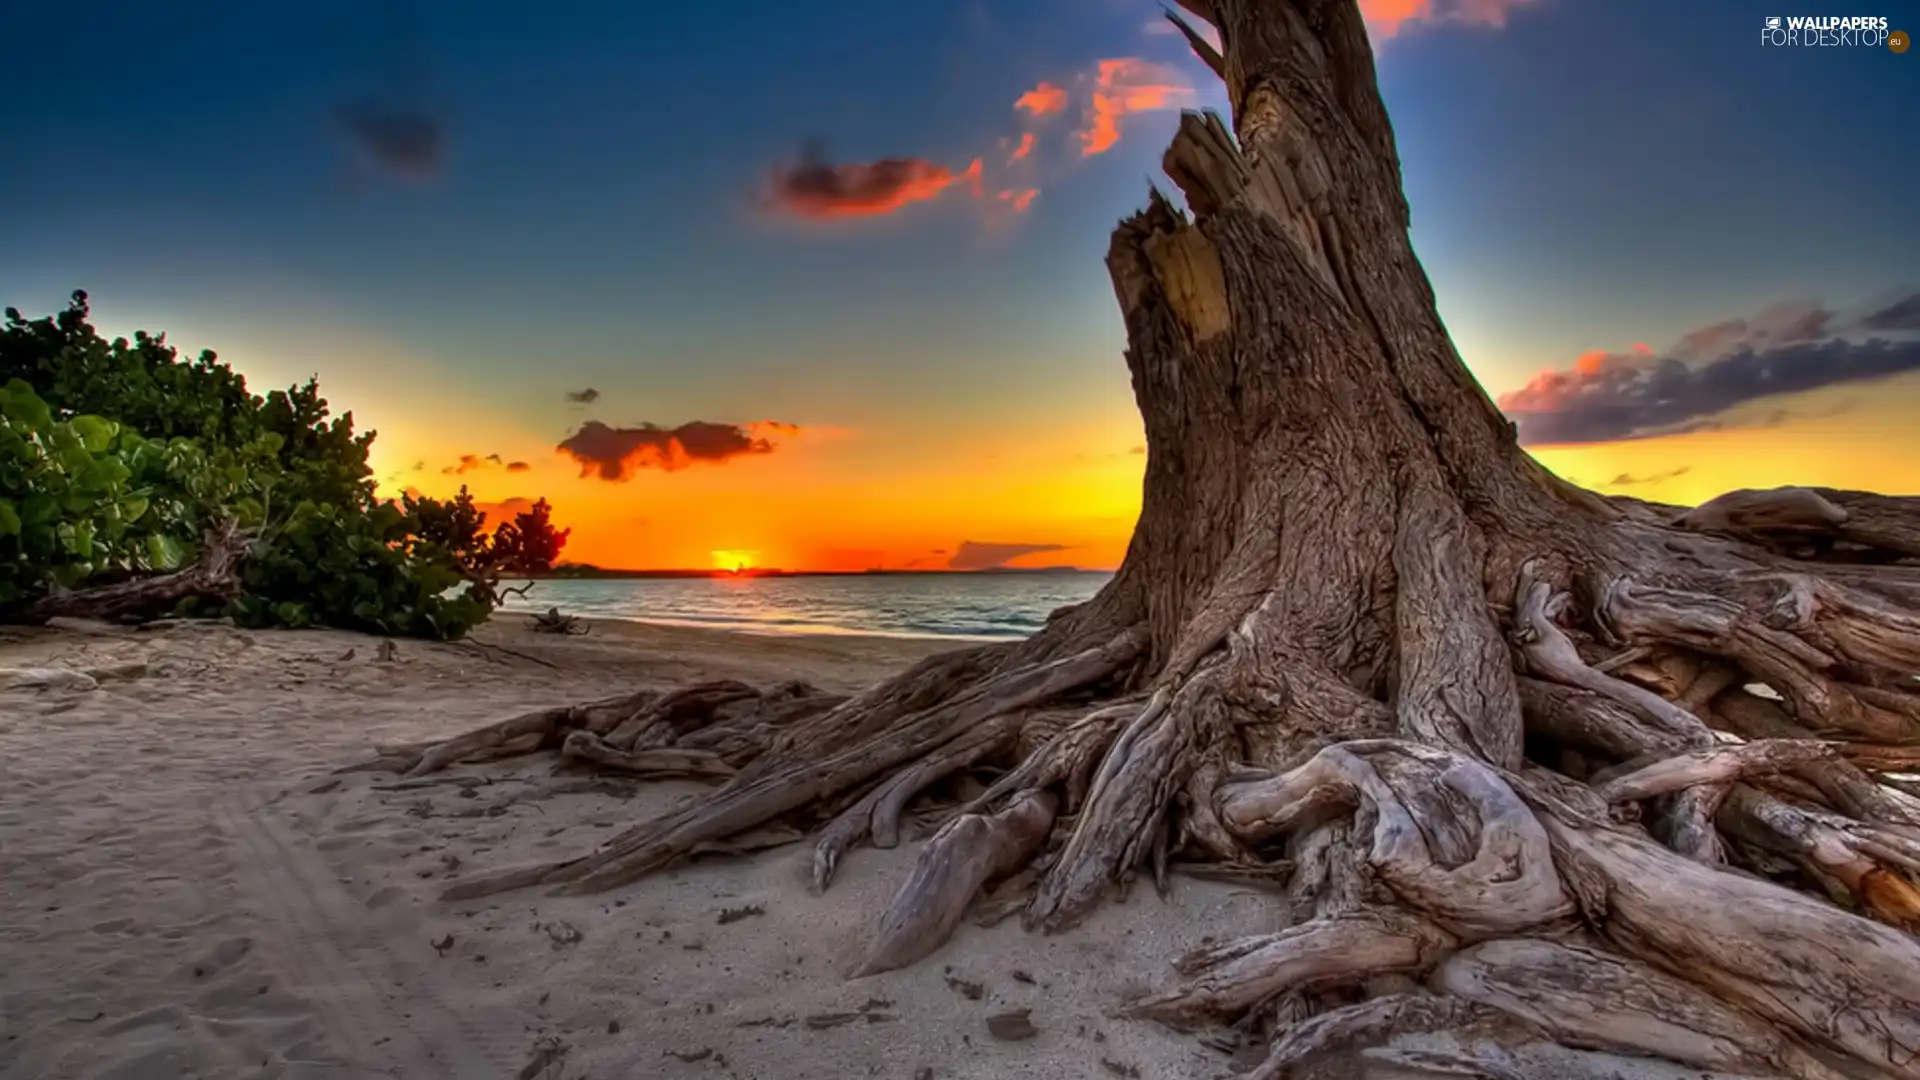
402, 141
390, 124
1629, 480
1785, 349
816, 188
974, 555
616, 453
583, 397
475, 462
1899, 314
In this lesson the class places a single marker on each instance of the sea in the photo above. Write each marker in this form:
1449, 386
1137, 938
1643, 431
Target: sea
966, 607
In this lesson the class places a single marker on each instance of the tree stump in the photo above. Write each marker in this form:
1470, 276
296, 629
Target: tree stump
1481, 712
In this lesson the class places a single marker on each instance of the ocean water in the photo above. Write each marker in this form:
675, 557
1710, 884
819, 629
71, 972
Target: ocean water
980, 607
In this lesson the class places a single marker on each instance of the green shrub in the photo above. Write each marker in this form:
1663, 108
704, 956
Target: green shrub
116, 458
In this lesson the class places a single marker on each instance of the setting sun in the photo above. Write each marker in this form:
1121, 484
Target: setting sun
733, 561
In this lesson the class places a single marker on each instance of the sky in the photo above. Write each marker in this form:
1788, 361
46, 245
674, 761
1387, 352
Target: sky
820, 286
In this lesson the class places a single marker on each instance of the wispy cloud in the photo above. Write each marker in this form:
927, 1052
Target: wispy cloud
1124, 86
476, 462
1786, 348
1043, 100
583, 397
1020, 199
1386, 18
976, 555
1630, 480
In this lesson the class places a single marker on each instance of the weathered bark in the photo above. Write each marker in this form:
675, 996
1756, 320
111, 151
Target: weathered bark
1496, 730
215, 575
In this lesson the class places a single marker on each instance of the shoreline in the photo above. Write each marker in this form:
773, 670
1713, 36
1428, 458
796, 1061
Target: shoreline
775, 630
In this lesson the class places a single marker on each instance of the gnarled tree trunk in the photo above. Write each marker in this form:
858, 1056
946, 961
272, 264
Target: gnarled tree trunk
1485, 716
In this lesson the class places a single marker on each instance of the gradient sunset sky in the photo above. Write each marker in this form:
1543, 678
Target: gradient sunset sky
727, 279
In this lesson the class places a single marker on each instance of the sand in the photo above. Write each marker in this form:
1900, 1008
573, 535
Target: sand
187, 891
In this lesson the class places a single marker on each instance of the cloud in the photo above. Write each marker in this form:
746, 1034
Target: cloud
974, 555
403, 141
1385, 18
518, 466
1629, 480
505, 510
583, 397
1022, 150
1043, 100
475, 462
1019, 199
821, 190
1786, 348
618, 453
1125, 86
1161, 26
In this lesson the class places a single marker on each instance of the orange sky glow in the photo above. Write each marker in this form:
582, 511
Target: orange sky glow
852, 503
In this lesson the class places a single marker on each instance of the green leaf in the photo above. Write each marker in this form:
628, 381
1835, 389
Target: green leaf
39, 508
79, 540
165, 553
95, 433
132, 508
101, 476
18, 402
9, 519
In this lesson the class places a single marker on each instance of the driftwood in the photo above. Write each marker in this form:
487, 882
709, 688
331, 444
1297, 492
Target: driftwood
1487, 724
552, 622
214, 575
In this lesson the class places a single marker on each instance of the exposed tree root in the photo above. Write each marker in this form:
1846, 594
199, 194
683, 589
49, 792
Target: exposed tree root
971, 851
1606, 774
1235, 977
1586, 997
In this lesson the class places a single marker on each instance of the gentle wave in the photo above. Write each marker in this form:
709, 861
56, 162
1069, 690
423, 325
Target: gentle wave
979, 607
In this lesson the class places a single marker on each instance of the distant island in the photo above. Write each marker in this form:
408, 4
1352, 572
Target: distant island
585, 571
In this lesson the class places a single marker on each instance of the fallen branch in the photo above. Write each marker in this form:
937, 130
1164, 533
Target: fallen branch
552, 622
215, 575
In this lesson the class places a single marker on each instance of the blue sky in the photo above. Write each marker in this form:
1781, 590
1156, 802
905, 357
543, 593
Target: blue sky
1585, 175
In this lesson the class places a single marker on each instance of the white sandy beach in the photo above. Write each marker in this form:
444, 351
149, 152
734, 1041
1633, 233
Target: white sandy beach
186, 891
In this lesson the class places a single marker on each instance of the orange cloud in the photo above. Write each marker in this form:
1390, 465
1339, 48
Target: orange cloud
1021, 199
1386, 17
1025, 148
821, 190
1043, 100
1125, 86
